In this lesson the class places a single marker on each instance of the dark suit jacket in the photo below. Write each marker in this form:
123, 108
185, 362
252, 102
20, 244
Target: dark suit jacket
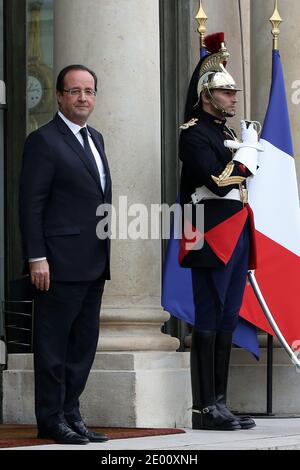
59, 195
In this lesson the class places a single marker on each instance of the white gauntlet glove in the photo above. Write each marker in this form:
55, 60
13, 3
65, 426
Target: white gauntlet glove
247, 150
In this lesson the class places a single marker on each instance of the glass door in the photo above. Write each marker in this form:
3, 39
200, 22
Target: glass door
40, 80
2, 150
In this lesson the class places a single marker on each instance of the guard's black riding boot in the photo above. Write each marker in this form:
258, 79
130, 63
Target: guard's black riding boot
222, 357
205, 413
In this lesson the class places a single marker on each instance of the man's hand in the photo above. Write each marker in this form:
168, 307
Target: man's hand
40, 274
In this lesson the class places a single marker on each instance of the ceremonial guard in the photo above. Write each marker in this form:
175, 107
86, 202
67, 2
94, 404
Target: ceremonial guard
215, 169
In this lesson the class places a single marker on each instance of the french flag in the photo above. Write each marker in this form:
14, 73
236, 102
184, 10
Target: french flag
275, 201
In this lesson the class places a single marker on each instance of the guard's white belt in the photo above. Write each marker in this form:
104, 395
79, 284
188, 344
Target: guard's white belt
205, 193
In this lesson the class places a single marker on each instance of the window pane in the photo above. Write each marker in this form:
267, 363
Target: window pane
1, 39
2, 93
40, 90
1, 206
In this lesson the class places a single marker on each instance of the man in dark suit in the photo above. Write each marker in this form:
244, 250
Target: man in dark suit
65, 177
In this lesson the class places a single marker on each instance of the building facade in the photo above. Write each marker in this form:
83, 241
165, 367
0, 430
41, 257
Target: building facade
143, 52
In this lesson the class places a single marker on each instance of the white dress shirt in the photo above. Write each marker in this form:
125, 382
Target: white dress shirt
75, 128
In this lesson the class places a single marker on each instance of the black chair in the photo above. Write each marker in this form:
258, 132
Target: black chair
18, 316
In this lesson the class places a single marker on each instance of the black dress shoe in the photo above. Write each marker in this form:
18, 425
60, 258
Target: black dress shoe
80, 428
246, 422
61, 433
211, 419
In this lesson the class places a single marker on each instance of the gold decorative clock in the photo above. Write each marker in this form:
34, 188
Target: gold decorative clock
39, 88
34, 91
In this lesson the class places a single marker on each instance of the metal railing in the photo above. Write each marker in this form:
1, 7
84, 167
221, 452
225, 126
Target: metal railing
18, 324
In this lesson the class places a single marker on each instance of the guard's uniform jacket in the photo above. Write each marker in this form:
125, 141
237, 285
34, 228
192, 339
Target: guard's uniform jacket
206, 162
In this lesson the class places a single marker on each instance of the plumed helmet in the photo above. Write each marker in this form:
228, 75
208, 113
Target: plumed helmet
212, 74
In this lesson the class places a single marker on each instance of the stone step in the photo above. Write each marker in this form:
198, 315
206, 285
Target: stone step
117, 361
152, 389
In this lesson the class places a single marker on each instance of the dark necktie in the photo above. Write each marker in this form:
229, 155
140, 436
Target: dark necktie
88, 150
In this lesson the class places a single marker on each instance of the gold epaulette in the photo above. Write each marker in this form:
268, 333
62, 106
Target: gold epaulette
189, 124
225, 178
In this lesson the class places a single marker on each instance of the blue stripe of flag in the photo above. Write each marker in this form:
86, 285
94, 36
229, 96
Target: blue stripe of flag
276, 129
203, 52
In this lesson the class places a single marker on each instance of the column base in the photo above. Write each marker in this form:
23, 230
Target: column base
138, 390
152, 389
134, 328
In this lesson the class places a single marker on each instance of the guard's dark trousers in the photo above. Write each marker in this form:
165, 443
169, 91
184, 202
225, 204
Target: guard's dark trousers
218, 295
206, 415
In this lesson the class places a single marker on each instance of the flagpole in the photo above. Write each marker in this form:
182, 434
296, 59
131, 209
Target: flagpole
270, 318
275, 20
201, 18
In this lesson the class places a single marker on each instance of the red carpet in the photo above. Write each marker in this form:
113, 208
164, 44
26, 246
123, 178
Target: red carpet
13, 435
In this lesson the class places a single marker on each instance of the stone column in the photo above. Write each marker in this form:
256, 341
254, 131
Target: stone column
120, 41
136, 369
261, 60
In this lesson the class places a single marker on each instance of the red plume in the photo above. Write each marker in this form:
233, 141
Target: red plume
213, 42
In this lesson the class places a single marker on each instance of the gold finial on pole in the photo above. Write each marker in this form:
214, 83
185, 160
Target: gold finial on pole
275, 20
201, 19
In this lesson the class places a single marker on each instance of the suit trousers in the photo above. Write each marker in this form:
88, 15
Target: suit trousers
66, 331
218, 292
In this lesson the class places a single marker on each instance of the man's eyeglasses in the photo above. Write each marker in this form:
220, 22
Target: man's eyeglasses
78, 91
